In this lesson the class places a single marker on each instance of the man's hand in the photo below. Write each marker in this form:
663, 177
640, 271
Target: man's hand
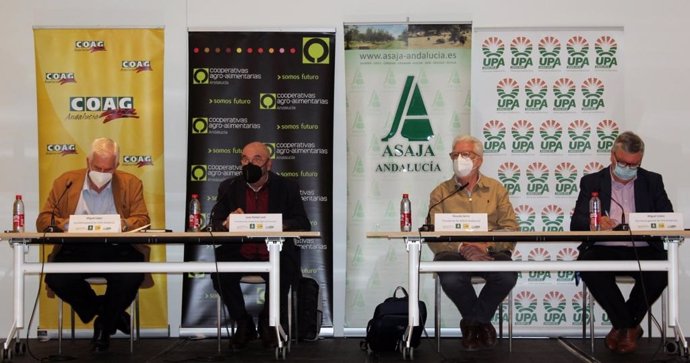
226, 222
474, 253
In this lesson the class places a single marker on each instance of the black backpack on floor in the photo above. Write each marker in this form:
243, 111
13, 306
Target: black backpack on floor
386, 329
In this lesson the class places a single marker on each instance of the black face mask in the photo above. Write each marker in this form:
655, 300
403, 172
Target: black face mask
251, 173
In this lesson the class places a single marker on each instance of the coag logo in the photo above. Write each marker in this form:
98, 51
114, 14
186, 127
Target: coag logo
316, 50
494, 136
593, 91
579, 132
592, 167
493, 49
523, 132
566, 254
90, 45
607, 132
564, 91
200, 125
110, 108
579, 309
521, 48
198, 172
200, 76
61, 149
138, 160
136, 65
411, 111
60, 77
552, 216
509, 174
525, 217
554, 306
550, 132
508, 91
268, 101
578, 48
537, 175
550, 52
606, 48
536, 89
565, 174
526, 306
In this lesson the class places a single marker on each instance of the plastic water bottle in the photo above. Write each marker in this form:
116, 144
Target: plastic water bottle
405, 214
595, 212
194, 222
18, 214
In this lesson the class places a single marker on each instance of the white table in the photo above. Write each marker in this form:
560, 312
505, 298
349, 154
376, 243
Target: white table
21, 241
413, 242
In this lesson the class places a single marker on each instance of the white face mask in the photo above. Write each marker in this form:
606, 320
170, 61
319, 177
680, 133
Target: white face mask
100, 179
462, 167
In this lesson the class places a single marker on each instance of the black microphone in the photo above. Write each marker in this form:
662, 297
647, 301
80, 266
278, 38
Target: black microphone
428, 226
622, 226
52, 227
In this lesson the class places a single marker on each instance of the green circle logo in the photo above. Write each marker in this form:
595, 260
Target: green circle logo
200, 76
198, 173
315, 50
267, 101
199, 125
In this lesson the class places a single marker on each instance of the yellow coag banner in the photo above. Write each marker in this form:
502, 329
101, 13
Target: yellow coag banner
104, 83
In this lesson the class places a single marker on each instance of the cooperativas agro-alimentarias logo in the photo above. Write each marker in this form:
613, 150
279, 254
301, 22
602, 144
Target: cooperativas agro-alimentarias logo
593, 92
578, 52
536, 90
564, 94
526, 216
526, 306
579, 132
606, 48
538, 176
521, 49
549, 52
494, 133
508, 90
509, 175
554, 306
523, 132
493, 49
566, 175
607, 132
550, 132
552, 217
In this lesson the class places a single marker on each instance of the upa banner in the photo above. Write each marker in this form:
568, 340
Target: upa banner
94, 83
408, 96
273, 87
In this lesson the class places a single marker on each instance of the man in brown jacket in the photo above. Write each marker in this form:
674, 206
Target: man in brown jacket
468, 191
98, 189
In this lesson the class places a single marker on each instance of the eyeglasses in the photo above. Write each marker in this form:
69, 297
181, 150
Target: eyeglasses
256, 160
467, 155
626, 165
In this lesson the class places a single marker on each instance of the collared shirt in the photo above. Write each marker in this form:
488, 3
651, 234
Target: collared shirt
92, 202
624, 194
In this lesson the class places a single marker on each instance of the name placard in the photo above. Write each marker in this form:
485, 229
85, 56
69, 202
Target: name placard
255, 222
449, 222
656, 221
94, 223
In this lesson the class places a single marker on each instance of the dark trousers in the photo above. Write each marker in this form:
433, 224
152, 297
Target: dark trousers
121, 287
458, 287
602, 284
228, 284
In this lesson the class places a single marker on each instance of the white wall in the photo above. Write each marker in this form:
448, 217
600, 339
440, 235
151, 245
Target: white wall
656, 60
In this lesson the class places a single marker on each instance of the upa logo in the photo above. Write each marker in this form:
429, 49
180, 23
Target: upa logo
580, 312
137, 160
565, 174
526, 306
566, 254
550, 132
136, 65
509, 174
504, 308
523, 132
607, 132
552, 216
411, 112
60, 77
578, 49
579, 132
493, 49
606, 48
61, 149
90, 45
564, 91
538, 254
554, 308
525, 217
549, 52
537, 175
536, 89
592, 167
593, 91
508, 91
521, 48
494, 136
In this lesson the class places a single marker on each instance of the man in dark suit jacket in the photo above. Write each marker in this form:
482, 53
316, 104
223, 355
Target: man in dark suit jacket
623, 187
257, 190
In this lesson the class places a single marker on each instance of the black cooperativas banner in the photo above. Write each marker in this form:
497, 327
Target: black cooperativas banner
274, 87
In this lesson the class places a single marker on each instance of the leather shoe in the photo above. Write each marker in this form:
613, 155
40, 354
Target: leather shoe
269, 338
627, 342
639, 332
97, 329
487, 335
246, 332
612, 339
470, 341
464, 324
